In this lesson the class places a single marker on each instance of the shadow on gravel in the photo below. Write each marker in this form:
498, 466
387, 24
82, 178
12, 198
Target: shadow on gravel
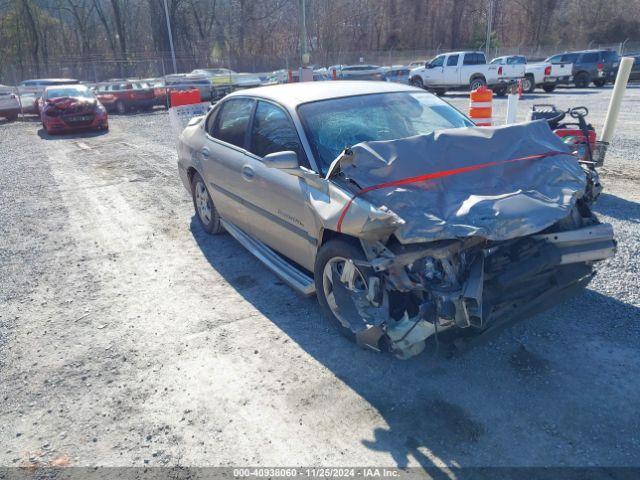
616, 207
42, 133
475, 406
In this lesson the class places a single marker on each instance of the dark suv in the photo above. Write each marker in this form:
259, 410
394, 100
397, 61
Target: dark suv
597, 66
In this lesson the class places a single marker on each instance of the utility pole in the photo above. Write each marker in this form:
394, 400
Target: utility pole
173, 52
303, 33
487, 45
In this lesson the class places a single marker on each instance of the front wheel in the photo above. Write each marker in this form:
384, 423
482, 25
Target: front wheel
581, 80
337, 279
416, 82
121, 108
204, 207
500, 91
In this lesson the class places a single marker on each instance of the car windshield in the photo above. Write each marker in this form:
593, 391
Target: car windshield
58, 92
332, 125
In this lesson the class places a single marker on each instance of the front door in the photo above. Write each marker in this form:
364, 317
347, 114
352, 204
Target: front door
280, 217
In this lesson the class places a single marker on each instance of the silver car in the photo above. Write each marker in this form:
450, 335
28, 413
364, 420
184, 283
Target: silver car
406, 220
9, 103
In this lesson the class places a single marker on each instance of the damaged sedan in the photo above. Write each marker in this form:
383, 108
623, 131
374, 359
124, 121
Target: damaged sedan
406, 220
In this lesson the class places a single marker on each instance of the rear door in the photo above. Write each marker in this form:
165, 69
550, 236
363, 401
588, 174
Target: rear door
279, 214
223, 157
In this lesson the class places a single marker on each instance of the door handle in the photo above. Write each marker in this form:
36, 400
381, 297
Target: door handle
248, 173
205, 153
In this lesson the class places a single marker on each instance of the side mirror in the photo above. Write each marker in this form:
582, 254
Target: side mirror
287, 160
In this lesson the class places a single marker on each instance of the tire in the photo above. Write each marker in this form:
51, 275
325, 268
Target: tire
11, 117
600, 82
121, 108
332, 253
548, 88
528, 84
500, 91
201, 200
476, 83
581, 80
416, 82
439, 92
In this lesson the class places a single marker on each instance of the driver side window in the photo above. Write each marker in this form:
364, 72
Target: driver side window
273, 131
438, 61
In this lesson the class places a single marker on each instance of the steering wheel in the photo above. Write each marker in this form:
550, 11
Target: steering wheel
578, 112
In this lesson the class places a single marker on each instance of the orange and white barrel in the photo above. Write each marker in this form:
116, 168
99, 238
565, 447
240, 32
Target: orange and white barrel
480, 106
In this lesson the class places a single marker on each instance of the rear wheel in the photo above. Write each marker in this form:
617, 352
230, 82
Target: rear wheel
548, 88
12, 117
599, 82
417, 82
439, 92
528, 84
121, 108
581, 80
477, 82
204, 207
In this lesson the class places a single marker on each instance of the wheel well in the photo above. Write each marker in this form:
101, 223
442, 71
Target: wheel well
530, 75
477, 75
191, 172
332, 234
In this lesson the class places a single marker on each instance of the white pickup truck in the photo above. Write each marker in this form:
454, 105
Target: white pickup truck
542, 74
464, 71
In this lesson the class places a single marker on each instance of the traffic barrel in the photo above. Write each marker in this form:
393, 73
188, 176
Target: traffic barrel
480, 106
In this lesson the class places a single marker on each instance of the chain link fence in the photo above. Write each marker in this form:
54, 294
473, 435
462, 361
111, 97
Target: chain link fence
99, 68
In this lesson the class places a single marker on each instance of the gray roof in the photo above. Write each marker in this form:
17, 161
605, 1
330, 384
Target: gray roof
294, 94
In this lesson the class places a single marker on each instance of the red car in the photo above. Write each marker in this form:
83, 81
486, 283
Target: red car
72, 107
125, 96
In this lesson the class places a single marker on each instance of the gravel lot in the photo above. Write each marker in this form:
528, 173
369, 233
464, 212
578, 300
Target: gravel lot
130, 337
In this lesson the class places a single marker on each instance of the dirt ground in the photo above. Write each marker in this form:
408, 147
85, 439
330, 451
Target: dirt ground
130, 337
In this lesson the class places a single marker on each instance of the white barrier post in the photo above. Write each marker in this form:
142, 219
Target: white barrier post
616, 98
512, 108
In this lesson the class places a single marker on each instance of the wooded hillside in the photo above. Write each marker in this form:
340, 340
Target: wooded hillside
95, 38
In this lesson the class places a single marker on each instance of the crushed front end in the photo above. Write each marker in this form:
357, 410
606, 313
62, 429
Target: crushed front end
469, 254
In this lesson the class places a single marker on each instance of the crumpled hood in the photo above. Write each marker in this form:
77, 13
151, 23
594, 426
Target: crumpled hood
497, 183
66, 103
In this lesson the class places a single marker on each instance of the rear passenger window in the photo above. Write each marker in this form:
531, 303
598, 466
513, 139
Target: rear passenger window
452, 61
473, 59
590, 57
273, 131
233, 120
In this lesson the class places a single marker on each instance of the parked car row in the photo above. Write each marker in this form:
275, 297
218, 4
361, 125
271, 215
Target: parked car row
461, 70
